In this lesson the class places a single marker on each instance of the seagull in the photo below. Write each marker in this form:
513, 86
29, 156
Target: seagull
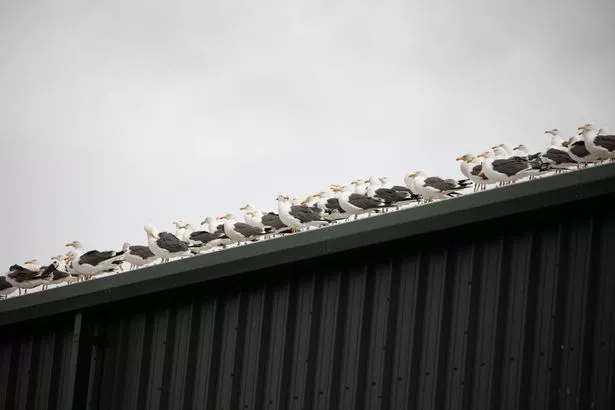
470, 167
598, 142
33, 264
203, 240
432, 188
356, 204
329, 202
390, 196
505, 169
138, 255
60, 273
165, 245
180, 229
297, 217
239, 232
556, 154
212, 225
93, 262
24, 278
359, 186
578, 151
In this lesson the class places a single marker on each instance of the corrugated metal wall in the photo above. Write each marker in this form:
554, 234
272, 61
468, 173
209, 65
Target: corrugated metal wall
514, 314
37, 365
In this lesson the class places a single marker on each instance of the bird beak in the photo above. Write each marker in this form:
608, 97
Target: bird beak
303, 202
243, 208
494, 147
68, 244
203, 222
458, 158
481, 174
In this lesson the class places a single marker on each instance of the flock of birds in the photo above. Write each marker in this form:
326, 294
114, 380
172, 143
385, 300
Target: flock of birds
500, 166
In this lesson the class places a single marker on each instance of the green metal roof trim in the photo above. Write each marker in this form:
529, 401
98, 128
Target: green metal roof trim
496, 203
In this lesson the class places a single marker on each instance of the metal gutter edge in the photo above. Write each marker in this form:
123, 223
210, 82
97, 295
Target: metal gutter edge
467, 209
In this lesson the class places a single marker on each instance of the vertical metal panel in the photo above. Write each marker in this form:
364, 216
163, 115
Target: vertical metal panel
507, 316
35, 365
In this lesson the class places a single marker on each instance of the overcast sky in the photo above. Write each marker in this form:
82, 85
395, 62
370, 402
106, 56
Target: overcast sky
118, 113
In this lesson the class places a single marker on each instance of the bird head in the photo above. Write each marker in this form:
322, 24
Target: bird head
58, 257
208, 220
465, 158
179, 223
283, 198
74, 244
151, 231
586, 127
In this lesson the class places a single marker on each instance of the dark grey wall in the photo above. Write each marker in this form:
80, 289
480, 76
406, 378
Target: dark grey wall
517, 313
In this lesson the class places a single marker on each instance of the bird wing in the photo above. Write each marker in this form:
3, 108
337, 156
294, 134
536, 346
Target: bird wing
4, 284
391, 196
203, 236
94, 257
605, 141
509, 166
578, 149
273, 220
363, 201
440, 184
141, 251
400, 188
304, 213
558, 156
247, 230
333, 204
171, 243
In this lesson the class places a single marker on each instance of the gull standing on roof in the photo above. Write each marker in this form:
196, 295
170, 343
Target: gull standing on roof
93, 262
390, 196
165, 245
506, 169
298, 216
598, 142
60, 273
356, 204
556, 155
432, 188
212, 225
239, 232
138, 255
470, 166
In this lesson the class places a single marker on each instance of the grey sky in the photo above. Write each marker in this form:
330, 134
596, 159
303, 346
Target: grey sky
118, 113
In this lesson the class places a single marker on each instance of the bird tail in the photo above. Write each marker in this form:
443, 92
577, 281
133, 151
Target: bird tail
464, 183
540, 165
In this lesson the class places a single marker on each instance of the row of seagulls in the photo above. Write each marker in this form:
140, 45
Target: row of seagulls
499, 165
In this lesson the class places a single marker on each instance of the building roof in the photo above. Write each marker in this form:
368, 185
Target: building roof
471, 208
